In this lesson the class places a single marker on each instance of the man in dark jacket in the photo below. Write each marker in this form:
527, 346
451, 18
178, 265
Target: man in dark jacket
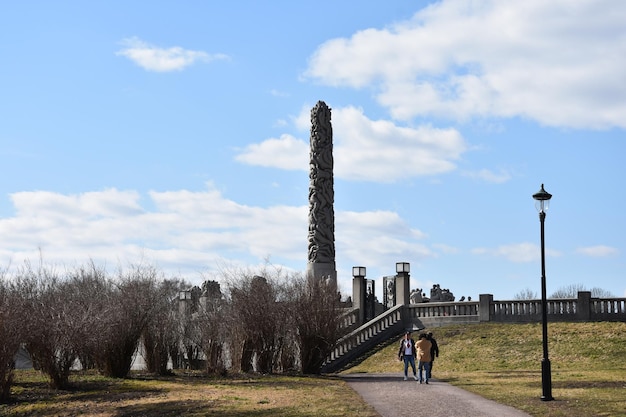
434, 352
407, 353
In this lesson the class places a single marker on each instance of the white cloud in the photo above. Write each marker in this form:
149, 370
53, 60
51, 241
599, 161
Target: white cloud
187, 233
154, 58
286, 152
489, 176
378, 238
560, 63
517, 252
599, 251
367, 150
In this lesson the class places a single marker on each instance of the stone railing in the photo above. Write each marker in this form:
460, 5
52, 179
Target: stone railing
396, 320
446, 309
607, 309
582, 308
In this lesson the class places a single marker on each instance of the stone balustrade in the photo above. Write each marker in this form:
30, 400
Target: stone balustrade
393, 322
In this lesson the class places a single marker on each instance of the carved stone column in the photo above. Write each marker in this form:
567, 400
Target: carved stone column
321, 237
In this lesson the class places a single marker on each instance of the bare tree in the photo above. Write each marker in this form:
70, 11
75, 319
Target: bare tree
11, 333
526, 294
601, 293
316, 310
572, 290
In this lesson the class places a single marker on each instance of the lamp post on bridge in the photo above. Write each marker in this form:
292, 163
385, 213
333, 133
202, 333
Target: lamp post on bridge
542, 198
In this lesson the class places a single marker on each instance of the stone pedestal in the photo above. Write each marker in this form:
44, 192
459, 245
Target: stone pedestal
358, 297
484, 306
402, 288
319, 270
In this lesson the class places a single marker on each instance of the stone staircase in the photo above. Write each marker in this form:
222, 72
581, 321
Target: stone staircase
365, 338
388, 326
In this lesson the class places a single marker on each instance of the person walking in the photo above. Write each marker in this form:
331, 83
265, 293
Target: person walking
423, 346
434, 352
407, 353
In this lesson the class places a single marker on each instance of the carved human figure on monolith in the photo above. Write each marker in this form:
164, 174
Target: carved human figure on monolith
321, 238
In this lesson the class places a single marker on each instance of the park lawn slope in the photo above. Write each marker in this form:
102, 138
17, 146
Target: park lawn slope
503, 362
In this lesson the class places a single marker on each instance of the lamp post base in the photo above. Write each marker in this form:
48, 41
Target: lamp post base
546, 380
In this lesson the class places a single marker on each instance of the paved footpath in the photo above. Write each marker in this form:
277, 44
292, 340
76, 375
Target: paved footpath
391, 396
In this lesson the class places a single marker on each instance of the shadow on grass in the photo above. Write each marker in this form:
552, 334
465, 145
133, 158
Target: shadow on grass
192, 409
39, 394
588, 384
257, 381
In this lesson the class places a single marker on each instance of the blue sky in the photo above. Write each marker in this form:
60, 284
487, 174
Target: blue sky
178, 133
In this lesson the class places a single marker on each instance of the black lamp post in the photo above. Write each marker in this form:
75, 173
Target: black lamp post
542, 203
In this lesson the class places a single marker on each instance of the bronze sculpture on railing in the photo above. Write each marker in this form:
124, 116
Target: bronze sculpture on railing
417, 296
437, 294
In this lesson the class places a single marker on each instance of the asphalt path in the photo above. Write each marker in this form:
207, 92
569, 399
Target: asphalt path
391, 396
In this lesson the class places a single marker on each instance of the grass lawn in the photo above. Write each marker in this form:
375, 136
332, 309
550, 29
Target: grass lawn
503, 362
497, 361
186, 395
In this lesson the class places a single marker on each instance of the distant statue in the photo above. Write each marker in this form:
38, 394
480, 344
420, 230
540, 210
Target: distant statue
438, 294
389, 292
211, 289
416, 296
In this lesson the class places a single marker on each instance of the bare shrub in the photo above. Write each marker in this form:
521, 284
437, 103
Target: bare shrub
51, 325
132, 304
257, 317
160, 336
211, 324
11, 333
187, 352
89, 292
316, 311
254, 305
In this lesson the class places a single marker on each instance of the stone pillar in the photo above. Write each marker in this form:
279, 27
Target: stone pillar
358, 297
484, 307
402, 288
321, 237
583, 309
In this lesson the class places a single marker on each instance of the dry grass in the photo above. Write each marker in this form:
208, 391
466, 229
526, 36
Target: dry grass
503, 362
498, 361
188, 395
